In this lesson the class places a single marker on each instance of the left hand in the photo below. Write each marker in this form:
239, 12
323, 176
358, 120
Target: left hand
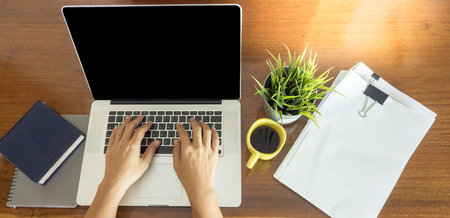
124, 164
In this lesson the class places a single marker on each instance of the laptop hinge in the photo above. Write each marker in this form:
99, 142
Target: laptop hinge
166, 102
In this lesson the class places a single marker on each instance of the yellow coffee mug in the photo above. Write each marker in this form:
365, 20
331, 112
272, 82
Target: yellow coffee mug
259, 155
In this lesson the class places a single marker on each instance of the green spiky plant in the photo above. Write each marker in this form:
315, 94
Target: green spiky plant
292, 89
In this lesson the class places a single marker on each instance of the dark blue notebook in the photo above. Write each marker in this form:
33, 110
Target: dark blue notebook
40, 142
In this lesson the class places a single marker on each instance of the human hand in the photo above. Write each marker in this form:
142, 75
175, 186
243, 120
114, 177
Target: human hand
195, 164
124, 164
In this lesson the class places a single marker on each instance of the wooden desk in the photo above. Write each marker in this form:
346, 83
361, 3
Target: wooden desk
405, 42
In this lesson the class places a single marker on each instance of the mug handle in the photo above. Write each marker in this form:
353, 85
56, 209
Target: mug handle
251, 162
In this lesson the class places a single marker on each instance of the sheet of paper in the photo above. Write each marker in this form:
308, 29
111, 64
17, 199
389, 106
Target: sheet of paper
365, 73
349, 167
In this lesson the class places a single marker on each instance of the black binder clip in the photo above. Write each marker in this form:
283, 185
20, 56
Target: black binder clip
374, 93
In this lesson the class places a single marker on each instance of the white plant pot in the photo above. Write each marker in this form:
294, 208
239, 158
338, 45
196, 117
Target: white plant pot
270, 112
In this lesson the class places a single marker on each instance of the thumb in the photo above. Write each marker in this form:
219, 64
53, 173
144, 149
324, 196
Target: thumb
150, 151
176, 153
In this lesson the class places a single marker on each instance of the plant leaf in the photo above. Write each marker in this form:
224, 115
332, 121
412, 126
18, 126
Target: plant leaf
262, 87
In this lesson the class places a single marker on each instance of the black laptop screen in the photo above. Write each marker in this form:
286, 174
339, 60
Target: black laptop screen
158, 52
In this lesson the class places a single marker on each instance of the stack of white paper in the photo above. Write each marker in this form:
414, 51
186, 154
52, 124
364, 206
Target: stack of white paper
349, 166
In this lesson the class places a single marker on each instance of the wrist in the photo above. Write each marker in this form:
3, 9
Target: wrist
106, 201
201, 195
204, 203
113, 192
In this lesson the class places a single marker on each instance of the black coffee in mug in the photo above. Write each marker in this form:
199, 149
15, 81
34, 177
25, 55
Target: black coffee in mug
265, 139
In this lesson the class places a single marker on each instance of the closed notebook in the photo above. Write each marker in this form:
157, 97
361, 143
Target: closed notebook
40, 142
61, 190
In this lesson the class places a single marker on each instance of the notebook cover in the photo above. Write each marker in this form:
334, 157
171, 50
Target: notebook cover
61, 190
38, 141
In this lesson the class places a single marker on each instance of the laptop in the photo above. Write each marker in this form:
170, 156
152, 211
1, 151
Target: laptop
169, 63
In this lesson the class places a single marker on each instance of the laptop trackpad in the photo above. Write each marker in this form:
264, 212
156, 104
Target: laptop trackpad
159, 182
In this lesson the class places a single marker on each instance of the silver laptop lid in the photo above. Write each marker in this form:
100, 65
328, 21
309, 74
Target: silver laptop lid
158, 52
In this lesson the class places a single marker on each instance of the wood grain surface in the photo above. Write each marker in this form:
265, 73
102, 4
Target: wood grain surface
405, 42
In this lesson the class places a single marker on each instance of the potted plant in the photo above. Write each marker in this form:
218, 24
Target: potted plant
291, 91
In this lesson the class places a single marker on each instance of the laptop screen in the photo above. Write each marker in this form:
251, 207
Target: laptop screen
167, 52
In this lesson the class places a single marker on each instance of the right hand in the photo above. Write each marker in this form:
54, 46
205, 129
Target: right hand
195, 164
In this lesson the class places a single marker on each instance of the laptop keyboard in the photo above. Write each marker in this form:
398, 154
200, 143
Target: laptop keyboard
164, 126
